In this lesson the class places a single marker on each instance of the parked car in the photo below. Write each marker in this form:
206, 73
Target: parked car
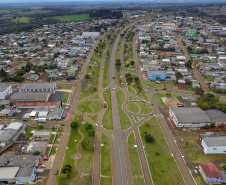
45, 158
73, 112
62, 125
96, 125
42, 166
56, 172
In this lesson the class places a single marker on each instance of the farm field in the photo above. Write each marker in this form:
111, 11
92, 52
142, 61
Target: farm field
77, 17
21, 20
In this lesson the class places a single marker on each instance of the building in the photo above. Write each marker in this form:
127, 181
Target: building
18, 97
217, 117
25, 174
189, 117
14, 126
8, 174
38, 87
92, 35
210, 173
152, 75
5, 90
34, 146
27, 105
6, 138
43, 135
214, 144
57, 114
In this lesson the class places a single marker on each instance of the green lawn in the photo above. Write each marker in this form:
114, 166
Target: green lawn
85, 180
158, 99
68, 159
57, 139
69, 87
189, 143
124, 119
200, 157
4, 11
107, 118
140, 94
134, 156
131, 90
199, 180
53, 151
76, 17
133, 107
52, 137
61, 129
65, 96
35, 12
105, 181
163, 168
97, 106
138, 181
90, 86
105, 156
21, 20
85, 107
29, 129
85, 164
140, 108
94, 118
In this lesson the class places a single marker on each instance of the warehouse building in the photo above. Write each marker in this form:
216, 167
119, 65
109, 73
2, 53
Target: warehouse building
5, 90
189, 117
217, 117
92, 35
18, 97
38, 87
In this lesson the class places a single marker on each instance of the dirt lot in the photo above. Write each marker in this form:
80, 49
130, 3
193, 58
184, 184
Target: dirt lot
170, 102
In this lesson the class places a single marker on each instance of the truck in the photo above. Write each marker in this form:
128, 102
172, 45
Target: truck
41, 120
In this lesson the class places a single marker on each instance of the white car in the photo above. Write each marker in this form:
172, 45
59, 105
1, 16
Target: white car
42, 166
196, 172
114, 88
96, 125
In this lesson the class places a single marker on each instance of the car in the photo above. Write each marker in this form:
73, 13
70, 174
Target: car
42, 166
196, 172
0, 119
55, 172
25, 120
76, 97
62, 125
164, 88
96, 125
114, 88
72, 112
45, 158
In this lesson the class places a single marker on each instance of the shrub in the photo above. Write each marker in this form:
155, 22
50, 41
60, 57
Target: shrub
36, 153
74, 124
149, 138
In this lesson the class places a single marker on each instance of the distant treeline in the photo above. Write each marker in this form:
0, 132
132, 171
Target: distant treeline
105, 14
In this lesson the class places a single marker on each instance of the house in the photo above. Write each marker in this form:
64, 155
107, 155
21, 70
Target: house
43, 135
25, 174
38, 87
217, 117
56, 114
34, 77
152, 75
215, 144
6, 112
5, 90
210, 173
63, 64
189, 117
195, 84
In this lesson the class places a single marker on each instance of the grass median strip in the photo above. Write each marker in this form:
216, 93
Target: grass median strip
138, 181
105, 156
163, 168
134, 156
124, 119
105, 181
107, 118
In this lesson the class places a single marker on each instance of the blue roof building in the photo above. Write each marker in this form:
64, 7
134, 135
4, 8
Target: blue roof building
153, 74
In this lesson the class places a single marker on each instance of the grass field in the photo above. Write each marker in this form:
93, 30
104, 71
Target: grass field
53, 151
158, 99
69, 87
189, 143
200, 157
134, 156
76, 17
107, 118
21, 20
85, 107
163, 168
85, 164
57, 139
4, 11
139, 108
124, 119
105, 181
138, 181
199, 180
97, 106
35, 12
105, 156
85, 180
68, 159
65, 96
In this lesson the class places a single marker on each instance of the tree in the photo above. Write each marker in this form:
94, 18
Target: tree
87, 76
36, 153
157, 78
91, 132
199, 91
88, 126
132, 62
129, 80
178, 75
18, 79
21, 72
84, 144
168, 94
74, 124
136, 79
149, 138
40, 126
188, 64
62, 177
188, 83
67, 169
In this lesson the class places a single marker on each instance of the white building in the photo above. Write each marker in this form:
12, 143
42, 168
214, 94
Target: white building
214, 145
92, 35
39, 87
5, 90
189, 117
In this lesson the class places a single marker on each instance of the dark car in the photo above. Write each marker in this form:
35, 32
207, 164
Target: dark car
63, 125
25, 120
56, 172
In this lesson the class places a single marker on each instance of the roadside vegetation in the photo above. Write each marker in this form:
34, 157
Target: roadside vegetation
76, 17
163, 168
107, 118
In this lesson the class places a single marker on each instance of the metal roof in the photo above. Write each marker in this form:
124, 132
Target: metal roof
191, 115
8, 172
216, 115
38, 86
3, 87
215, 140
43, 96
